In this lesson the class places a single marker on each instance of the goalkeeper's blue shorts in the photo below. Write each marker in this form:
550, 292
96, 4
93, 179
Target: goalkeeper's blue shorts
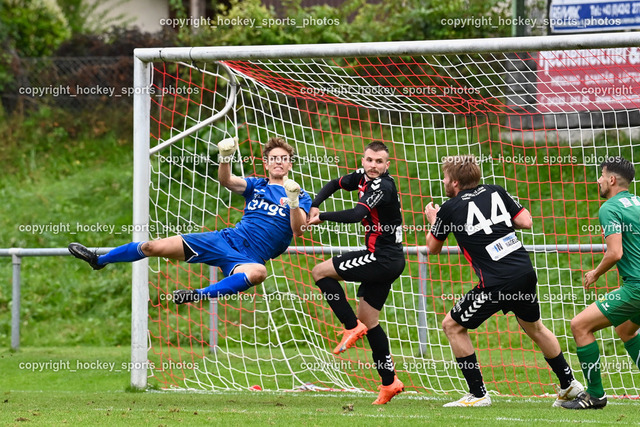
222, 249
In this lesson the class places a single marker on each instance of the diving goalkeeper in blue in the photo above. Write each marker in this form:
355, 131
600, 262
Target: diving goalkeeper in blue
276, 209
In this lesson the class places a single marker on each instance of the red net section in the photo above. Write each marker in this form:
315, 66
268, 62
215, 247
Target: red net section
504, 108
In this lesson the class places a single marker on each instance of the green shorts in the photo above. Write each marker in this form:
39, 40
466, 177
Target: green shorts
622, 304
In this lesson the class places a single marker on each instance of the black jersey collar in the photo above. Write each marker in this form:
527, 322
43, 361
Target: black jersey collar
371, 179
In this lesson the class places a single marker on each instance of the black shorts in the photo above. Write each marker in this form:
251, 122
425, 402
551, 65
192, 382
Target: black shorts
376, 271
518, 296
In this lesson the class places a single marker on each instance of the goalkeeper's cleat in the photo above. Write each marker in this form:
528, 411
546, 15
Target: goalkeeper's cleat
470, 400
350, 336
388, 391
82, 252
569, 393
183, 296
585, 401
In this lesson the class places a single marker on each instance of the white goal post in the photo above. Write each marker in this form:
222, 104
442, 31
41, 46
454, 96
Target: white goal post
428, 99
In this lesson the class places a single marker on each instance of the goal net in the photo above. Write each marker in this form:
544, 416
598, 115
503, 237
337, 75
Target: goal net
540, 123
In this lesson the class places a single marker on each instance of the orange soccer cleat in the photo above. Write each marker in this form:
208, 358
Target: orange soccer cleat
350, 336
388, 391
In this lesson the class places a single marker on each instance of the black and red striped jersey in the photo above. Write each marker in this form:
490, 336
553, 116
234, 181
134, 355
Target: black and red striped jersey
481, 220
383, 223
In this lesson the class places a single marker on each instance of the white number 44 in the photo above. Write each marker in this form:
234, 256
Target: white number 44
498, 214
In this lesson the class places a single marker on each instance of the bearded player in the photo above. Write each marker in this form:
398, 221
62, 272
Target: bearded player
375, 267
620, 220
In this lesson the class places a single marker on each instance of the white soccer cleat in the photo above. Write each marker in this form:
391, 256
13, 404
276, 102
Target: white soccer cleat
568, 394
470, 400
293, 193
227, 148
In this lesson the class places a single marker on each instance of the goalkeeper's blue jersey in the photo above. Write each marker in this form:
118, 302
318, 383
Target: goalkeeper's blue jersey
266, 226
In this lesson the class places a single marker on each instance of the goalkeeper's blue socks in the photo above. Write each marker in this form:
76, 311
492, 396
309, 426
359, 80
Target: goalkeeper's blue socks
125, 253
233, 284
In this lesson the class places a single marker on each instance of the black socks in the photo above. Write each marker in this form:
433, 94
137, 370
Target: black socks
562, 370
381, 354
471, 370
335, 296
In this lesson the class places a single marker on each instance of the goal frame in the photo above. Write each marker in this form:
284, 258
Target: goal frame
144, 57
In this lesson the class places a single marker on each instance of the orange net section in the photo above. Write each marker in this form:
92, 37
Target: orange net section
533, 123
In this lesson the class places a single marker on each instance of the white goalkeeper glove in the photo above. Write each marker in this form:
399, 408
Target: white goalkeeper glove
293, 193
226, 149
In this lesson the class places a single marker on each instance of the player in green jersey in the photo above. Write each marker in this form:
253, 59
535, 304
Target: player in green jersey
620, 220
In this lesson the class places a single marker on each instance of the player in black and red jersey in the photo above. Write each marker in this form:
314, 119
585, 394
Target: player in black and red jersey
483, 219
375, 267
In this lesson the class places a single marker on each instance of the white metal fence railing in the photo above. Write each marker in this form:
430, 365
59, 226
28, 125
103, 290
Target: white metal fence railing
16, 255
422, 252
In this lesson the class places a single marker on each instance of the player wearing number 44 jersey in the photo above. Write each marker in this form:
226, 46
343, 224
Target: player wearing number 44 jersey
620, 221
276, 209
483, 219
376, 267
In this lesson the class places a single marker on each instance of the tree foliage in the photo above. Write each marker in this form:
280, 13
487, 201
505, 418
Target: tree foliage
33, 27
249, 22
28, 28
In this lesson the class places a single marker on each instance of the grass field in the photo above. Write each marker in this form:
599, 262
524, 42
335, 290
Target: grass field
65, 303
79, 386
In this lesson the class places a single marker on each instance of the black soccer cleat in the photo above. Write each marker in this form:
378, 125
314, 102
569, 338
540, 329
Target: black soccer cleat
182, 296
585, 401
82, 252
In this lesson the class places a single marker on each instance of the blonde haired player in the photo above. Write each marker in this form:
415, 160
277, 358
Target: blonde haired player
483, 219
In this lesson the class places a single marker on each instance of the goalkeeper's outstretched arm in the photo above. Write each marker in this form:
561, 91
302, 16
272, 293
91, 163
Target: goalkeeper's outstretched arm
227, 148
298, 221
